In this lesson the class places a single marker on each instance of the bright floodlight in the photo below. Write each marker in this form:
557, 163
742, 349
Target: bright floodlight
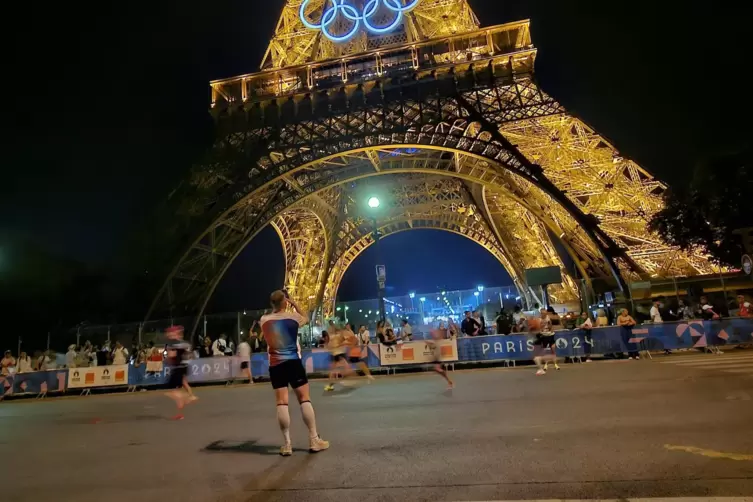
374, 202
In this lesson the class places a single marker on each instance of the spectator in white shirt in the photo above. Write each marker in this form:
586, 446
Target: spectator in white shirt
7, 363
407, 331
364, 336
24, 364
70, 357
120, 354
47, 361
244, 353
655, 313
219, 346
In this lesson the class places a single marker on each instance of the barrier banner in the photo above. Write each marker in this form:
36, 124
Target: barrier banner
209, 369
38, 382
98, 376
139, 376
418, 352
6, 385
316, 360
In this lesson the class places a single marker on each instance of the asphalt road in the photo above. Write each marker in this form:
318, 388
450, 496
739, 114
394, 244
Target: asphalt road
604, 430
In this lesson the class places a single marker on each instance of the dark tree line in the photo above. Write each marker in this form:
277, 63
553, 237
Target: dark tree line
705, 212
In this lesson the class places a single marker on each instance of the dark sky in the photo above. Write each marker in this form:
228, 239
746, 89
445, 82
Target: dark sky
109, 104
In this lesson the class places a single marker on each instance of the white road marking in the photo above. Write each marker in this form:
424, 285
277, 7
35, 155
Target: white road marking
710, 359
740, 371
731, 364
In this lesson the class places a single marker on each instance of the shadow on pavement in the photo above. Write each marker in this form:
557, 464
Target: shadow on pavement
341, 391
225, 446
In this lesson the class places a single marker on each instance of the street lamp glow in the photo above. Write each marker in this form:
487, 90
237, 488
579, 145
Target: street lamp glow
423, 299
374, 202
476, 293
412, 295
480, 289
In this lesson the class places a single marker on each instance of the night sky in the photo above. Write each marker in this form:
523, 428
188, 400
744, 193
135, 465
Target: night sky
109, 108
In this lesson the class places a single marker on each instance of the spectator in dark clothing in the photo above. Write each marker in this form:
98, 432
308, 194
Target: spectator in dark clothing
205, 350
324, 340
470, 326
102, 355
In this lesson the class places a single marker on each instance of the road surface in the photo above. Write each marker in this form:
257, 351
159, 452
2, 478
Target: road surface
677, 426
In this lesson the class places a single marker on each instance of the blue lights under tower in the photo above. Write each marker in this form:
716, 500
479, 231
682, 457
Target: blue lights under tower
335, 8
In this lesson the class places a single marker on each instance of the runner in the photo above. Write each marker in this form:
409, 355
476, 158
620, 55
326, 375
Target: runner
280, 329
177, 350
338, 349
356, 354
540, 328
244, 353
436, 336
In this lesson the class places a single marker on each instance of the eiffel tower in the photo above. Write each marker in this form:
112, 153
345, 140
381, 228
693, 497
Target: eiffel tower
413, 99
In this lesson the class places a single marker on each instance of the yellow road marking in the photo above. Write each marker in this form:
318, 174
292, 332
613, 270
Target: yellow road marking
709, 453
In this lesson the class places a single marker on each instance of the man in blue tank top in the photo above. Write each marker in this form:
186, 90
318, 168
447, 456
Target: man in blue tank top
280, 330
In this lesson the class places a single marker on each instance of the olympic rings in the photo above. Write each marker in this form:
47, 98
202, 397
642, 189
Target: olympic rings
330, 15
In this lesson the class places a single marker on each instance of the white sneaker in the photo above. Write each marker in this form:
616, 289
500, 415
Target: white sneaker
318, 444
286, 450
637, 358
630, 358
589, 361
541, 372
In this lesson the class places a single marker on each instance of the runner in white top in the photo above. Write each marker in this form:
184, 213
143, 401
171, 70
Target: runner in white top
436, 336
338, 349
244, 353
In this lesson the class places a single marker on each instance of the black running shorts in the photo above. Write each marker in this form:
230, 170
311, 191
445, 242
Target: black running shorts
176, 376
354, 359
287, 373
244, 365
338, 357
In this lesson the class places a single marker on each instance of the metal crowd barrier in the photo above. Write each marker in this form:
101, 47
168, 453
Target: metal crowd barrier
495, 348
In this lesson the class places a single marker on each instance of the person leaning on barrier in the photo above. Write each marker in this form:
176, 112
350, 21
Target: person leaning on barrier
219, 346
626, 323
470, 326
70, 357
24, 364
407, 332
47, 361
7, 363
585, 324
743, 306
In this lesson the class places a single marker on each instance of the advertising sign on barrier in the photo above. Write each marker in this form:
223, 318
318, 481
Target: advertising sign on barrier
418, 352
98, 376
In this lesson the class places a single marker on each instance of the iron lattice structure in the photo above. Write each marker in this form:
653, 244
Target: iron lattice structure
449, 120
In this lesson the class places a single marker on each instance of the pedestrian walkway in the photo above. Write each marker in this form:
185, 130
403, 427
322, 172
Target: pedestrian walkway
740, 363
